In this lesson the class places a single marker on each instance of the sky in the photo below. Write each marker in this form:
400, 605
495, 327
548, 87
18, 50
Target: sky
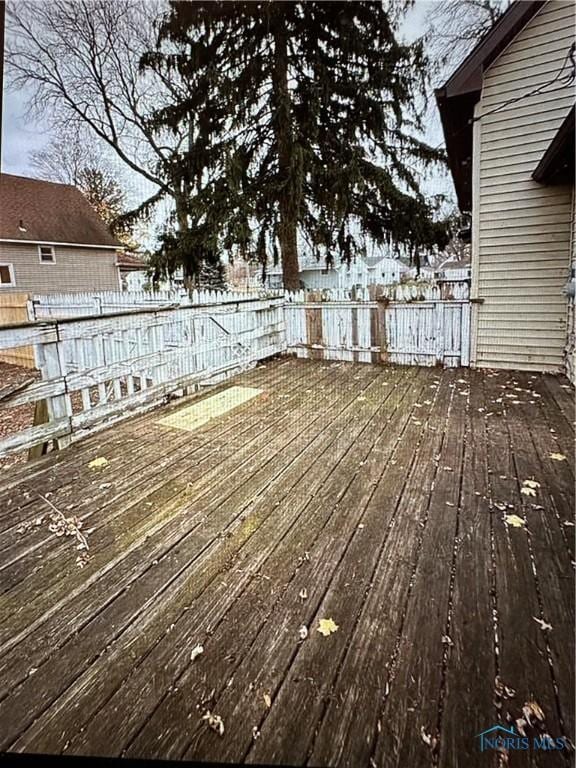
22, 135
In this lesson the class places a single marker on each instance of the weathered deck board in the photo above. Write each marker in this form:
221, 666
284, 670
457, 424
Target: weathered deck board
335, 481
468, 684
517, 605
194, 461
208, 614
133, 463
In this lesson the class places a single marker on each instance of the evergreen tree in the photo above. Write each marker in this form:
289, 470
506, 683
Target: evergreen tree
302, 121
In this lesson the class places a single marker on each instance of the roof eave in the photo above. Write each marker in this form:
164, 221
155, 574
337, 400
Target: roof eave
556, 166
459, 94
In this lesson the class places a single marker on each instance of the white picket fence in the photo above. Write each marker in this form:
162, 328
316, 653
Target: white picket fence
87, 304
98, 370
417, 323
98, 367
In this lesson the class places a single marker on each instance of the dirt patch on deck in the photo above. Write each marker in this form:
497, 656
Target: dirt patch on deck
13, 420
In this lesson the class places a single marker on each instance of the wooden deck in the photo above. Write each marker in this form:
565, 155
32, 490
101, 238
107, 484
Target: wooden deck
386, 499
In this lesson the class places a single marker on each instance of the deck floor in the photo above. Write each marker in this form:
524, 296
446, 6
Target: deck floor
387, 499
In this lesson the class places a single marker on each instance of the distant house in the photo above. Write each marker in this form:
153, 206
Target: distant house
52, 240
362, 271
370, 270
425, 273
133, 271
508, 119
453, 271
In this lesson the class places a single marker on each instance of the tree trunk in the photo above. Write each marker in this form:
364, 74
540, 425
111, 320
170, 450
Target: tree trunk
289, 250
282, 120
183, 224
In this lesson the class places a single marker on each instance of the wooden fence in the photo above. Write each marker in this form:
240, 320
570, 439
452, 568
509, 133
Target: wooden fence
99, 369
408, 325
90, 303
15, 308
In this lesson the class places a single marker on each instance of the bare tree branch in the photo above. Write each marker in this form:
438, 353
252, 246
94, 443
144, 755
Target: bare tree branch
455, 26
79, 59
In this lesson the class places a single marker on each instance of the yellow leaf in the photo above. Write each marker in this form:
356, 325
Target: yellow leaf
514, 521
558, 456
327, 627
99, 462
531, 483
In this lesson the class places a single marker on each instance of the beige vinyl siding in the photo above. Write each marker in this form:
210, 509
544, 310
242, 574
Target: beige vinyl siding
521, 229
75, 269
570, 359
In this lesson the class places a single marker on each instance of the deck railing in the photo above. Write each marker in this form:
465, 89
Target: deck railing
90, 303
419, 324
99, 369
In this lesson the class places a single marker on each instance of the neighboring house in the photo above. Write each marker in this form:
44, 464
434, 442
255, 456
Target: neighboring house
508, 119
52, 240
370, 270
243, 276
425, 273
453, 271
132, 269
362, 271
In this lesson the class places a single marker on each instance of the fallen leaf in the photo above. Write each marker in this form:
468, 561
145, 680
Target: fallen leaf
531, 483
502, 690
520, 723
99, 462
303, 632
427, 738
558, 456
327, 627
215, 722
544, 626
267, 700
514, 521
196, 651
532, 709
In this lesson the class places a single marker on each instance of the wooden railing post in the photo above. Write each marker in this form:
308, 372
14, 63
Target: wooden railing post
50, 364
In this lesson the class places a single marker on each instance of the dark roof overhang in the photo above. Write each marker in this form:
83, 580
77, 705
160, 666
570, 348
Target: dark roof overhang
556, 165
459, 94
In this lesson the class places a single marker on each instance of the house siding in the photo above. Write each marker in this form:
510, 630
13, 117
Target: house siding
75, 269
571, 338
521, 229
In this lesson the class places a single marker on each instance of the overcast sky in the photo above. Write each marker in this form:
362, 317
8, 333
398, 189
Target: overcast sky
21, 136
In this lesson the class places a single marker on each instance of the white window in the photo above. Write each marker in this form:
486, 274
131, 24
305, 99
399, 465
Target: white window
46, 254
6, 275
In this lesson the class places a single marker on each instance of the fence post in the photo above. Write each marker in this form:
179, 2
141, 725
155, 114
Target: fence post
59, 406
465, 333
440, 332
